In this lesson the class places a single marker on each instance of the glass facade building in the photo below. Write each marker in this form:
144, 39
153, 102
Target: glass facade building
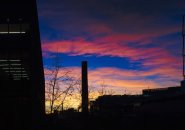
21, 68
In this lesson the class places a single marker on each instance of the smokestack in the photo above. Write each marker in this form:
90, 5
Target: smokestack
84, 88
183, 46
183, 54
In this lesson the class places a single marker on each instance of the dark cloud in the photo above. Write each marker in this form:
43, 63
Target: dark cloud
156, 19
122, 16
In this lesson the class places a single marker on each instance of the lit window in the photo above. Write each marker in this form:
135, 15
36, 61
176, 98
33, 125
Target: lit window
4, 64
14, 60
3, 60
15, 64
3, 28
13, 28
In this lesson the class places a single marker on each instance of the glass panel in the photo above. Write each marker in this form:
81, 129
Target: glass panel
25, 27
3, 28
14, 28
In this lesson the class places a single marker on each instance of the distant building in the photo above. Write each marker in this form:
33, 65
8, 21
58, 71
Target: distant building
163, 102
21, 68
116, 105
162, 91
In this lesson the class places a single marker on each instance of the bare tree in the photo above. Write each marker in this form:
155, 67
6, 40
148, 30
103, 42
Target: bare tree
59, 85
104, 89
70, 83
78, 89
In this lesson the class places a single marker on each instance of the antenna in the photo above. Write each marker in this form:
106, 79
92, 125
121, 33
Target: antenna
183, 46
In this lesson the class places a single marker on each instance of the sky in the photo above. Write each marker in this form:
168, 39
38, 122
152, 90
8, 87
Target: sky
130, 45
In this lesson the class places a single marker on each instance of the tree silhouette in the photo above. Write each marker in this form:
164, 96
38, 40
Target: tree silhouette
104, 89
59, 85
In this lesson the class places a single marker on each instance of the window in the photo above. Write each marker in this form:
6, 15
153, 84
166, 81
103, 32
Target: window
13, 69
13, 28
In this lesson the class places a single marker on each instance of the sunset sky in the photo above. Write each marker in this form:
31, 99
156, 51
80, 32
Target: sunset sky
130, 45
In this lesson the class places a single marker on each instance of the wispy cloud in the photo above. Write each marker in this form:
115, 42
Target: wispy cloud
151, 56
129, 80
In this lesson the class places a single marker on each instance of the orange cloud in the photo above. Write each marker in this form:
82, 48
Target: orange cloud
136, 80
121, 80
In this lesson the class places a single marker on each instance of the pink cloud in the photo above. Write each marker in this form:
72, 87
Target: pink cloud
162, 64
114, 47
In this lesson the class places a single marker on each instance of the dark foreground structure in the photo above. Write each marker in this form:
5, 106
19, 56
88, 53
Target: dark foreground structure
84, 88
155, 109
21, 67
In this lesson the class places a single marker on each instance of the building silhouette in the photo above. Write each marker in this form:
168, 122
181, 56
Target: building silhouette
163, 91
21, 69
152, 104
